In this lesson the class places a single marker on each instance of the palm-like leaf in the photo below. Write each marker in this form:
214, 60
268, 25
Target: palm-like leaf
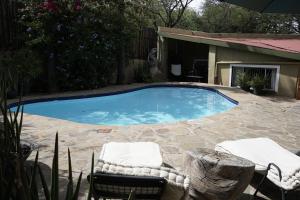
76, 193
70, 183
44, 184
54, 173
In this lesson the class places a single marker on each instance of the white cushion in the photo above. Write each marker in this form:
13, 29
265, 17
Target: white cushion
263, 151
145, 154
177, 183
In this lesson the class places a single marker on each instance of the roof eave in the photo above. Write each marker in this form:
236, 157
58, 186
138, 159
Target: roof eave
196, 39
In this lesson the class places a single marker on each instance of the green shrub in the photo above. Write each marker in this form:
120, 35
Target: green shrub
17, 181
79, 38
257, 83
21, 67
243, 81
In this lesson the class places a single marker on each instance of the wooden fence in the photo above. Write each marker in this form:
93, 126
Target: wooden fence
7, 24
140, 47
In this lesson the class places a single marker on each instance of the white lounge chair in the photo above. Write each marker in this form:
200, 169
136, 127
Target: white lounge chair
136, 166
277, 164
136, 154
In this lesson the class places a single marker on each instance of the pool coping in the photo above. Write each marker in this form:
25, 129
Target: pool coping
121, 91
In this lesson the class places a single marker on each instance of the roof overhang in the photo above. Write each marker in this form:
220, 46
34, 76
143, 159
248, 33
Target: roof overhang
206, 38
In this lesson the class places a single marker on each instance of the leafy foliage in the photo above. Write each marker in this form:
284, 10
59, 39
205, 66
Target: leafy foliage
257, 83
82, 38
165, 12
219, 17
243, 80
21, 67
18, 181
190, 20
15, 180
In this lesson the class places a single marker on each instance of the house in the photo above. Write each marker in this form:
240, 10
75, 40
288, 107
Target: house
220, 57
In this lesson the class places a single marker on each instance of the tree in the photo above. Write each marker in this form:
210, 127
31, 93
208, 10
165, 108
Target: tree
169, 12
190, 20
8, 27
223, 17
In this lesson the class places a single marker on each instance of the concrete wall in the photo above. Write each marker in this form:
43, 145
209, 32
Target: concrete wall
288, 80
228, 54
212, 53
288, 72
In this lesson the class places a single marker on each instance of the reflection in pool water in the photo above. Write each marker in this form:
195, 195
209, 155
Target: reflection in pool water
145, 106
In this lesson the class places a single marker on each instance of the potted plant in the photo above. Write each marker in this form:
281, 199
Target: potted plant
257, 84
243, 80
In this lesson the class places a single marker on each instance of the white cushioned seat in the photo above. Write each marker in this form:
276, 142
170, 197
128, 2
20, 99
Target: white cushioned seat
262, 152
177, 183
145, 154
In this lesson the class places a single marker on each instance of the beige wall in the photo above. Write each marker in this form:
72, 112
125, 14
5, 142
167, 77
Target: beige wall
228, 54
288, 72
211, 64
288, 80
223, 74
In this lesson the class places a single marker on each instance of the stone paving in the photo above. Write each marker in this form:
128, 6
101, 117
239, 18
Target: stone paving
275, 117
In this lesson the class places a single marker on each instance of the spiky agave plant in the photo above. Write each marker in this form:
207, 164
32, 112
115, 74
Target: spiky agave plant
13, 181
53, 193
16, 181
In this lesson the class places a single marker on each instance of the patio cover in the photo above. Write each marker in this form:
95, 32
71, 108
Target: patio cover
269, 6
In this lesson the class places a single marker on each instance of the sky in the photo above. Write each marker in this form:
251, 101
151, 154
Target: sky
196, 4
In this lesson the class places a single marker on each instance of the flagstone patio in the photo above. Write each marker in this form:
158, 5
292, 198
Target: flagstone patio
275, 117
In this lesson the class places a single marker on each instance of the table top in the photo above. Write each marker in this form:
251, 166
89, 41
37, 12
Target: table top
212, 156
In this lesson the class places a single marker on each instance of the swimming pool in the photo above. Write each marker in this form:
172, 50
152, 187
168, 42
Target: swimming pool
149, 105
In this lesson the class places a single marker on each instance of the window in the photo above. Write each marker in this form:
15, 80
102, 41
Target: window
269, 72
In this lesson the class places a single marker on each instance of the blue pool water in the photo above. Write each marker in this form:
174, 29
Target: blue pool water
145, 106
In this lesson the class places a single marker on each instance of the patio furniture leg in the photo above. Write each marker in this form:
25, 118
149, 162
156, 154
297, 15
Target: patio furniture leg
283, 193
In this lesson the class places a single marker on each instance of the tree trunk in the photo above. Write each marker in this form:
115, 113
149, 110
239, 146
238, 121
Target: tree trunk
217, 176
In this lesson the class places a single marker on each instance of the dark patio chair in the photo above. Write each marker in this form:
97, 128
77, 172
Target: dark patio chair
270, 186
113, 186
262, 184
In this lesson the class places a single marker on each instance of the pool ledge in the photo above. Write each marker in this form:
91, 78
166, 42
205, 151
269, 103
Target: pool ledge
106, 92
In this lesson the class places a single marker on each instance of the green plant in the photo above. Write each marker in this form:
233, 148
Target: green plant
14, 182
243, 81
21, 66
257, 83
17, 181
79, 40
